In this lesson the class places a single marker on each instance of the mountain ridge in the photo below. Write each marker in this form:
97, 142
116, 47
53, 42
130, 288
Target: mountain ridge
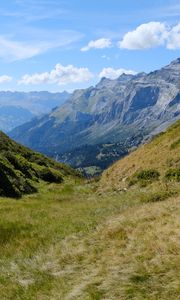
23, 106
112, 111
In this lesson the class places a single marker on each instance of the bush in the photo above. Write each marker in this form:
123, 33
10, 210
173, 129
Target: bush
175, 145
144, 177
158, 196
21, 164
50, 175
148, 175
173, 174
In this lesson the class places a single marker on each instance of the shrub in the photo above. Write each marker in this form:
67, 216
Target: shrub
173, 174
13, 182
158, 196
21, 164
143, 177
175, 144
50, 175
150, 174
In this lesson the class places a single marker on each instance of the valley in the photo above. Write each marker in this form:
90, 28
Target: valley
98, 239
125, 111
17, 108
89, 150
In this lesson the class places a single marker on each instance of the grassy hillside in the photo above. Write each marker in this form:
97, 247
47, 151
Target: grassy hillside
21, 169
77, 241
157, 161
67, 242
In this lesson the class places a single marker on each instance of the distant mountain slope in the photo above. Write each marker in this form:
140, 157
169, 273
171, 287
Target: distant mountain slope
21, 169
17, 108
11, 116
159, 159
112, 111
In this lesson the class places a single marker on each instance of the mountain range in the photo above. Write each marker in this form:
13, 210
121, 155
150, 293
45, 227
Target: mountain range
126, 110
17, 108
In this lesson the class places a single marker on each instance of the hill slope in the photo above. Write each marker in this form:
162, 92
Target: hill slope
112, 111
159, 159
21, 169
69, 242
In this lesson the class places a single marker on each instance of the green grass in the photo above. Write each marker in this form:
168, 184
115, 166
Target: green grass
70, 242
150, 162
21, 169
93, 240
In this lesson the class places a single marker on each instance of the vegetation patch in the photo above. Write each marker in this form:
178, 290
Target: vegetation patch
144, 177
50, 175
158, 196
173, 174
175, 144
10, 231
21, 169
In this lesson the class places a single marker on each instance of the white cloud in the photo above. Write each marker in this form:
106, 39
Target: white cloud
60, 75
97, 44
174, 38
114, 73
5, 78
145, 36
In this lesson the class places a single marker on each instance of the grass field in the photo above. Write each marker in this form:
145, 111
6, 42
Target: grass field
113, 239
71, 242
161, 155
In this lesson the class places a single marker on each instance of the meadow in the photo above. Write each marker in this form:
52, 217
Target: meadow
71, 241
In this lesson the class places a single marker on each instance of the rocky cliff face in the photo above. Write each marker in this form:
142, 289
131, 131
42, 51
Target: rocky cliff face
112, 111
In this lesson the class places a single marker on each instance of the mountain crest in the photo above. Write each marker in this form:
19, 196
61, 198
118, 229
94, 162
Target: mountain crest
121, 110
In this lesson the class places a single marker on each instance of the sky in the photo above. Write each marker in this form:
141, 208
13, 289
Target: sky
59, 45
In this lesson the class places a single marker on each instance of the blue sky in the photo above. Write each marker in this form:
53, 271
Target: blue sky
63, 45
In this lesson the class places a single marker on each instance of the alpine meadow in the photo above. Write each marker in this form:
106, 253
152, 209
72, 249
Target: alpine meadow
90, 150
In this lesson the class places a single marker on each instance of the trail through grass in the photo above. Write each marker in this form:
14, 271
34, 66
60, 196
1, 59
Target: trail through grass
70, 242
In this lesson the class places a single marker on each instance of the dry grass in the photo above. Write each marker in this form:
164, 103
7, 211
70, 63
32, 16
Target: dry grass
161, 154
70, 243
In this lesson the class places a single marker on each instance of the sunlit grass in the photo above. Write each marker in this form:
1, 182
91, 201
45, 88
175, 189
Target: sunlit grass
70, 242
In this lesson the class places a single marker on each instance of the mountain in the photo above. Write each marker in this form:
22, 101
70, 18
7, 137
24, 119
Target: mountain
21, 169
158, 160
11, 116
17, 108
114, 111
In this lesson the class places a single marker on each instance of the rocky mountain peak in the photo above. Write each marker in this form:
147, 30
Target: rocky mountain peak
125, 77
175, 65
105, 82
176, 61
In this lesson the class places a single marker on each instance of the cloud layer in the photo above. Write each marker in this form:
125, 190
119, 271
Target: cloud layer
60, 75
114, 73
97, 44
150, 35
